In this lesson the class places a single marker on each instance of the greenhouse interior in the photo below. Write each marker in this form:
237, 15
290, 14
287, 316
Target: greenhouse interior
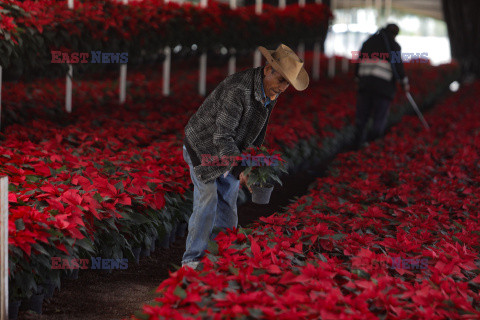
239, 159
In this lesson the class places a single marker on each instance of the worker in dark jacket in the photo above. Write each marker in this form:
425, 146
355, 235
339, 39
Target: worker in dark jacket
379, 67
232, 118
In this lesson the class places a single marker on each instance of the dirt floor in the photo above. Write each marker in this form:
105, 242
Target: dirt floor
97, 295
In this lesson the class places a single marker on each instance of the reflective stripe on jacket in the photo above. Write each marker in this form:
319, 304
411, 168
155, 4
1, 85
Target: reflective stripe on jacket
376, 68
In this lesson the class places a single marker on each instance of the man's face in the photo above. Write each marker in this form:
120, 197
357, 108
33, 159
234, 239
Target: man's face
273, 82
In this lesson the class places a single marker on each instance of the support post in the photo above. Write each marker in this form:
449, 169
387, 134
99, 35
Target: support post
388, 8
257, 56
202, 84
0, 97
4, 248
167, 63
301, 50
257, 59
258, 6
68, 85
331, 66
316, 61
232, 62
345, 65
345, 60
123, 83
378, 7
123, 77
68, 89
282, 4
331, 59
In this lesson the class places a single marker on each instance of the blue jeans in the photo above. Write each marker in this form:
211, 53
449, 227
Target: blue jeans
214, 206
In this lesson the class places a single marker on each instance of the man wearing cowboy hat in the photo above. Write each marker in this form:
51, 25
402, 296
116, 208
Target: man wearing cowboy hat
232, 118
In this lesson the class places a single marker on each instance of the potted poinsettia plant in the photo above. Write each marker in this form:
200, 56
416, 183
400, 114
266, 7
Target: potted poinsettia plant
264, 167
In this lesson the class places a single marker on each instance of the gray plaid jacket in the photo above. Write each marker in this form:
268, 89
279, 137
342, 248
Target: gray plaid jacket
231, 119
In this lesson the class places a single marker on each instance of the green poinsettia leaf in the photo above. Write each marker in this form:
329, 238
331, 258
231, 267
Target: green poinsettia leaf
180, 292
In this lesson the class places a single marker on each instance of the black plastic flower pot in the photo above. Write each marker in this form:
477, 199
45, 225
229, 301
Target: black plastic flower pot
152, 246
34, 303
49, 289
304, 166
13, 308
145, 252
72, 274
164, 241
182, 230
261, 195
136, 253
173, 233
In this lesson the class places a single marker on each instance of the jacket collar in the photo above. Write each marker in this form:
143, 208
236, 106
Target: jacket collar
258, 84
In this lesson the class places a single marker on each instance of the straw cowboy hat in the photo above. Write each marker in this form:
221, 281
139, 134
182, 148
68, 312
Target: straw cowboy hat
288, 64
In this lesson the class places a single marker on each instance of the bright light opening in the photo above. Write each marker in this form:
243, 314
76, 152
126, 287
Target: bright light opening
454, 86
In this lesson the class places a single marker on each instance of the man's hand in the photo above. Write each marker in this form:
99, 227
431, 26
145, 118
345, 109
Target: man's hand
243, 181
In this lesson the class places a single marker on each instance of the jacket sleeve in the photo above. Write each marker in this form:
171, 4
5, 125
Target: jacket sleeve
227, 121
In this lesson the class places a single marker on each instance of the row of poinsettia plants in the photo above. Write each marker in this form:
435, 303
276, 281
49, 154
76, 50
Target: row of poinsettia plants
109, 179
31, 30
391, 232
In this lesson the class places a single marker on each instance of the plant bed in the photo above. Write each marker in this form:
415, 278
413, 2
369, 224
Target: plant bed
293, 185
398, 239
81, 191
